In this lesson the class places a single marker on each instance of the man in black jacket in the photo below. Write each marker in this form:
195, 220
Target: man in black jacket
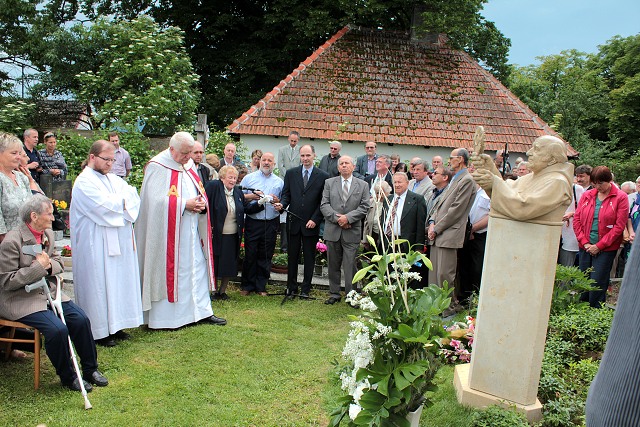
302, 194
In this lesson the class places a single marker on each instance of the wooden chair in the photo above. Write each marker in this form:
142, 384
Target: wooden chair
9, 339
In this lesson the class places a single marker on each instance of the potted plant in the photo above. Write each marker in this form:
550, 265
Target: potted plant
279, 263
392, 348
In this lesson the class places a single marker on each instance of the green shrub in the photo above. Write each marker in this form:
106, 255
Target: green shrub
551, 387
580, 375
496, 416
569, 283
586, 327
566, 411
217, 142
75, 149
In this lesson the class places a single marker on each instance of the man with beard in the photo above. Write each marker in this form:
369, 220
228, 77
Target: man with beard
105, 273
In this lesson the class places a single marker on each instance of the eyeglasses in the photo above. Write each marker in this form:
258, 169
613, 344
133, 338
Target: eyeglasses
49, 135
370, 148
436, 173
107, 160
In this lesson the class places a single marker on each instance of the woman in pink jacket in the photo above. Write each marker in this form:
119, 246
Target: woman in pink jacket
599, 222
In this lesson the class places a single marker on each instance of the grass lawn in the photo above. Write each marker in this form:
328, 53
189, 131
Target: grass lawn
272, 365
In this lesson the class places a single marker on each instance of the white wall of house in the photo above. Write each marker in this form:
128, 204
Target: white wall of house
355, 149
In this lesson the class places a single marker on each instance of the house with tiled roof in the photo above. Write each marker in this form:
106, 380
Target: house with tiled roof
415, 98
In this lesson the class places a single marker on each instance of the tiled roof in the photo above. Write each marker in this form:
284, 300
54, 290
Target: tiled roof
365, 85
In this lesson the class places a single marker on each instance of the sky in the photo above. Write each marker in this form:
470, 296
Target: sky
547, 27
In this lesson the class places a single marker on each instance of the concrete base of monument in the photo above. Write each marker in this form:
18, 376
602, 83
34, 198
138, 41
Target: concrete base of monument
478, 399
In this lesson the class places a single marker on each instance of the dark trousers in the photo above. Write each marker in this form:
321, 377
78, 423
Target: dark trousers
601, 264
56, 340
259, 244
283, 237
470, 260
308, 244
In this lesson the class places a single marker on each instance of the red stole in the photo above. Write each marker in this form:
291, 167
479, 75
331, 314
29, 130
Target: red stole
173, 234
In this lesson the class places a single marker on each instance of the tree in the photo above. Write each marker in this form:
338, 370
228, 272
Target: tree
593, 101
618, 62
126, 71
564, 91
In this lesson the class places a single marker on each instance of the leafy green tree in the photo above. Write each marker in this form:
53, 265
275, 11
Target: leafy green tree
618, 62
143, 75
15, 115
593, 101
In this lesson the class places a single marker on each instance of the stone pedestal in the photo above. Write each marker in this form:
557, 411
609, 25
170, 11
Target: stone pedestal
513, 313
477, 399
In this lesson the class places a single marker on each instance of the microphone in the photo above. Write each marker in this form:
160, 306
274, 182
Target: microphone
247, 188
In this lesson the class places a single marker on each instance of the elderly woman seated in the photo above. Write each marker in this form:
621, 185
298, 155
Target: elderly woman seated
26, 256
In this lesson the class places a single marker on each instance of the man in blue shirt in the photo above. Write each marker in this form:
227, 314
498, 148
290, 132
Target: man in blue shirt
260, 228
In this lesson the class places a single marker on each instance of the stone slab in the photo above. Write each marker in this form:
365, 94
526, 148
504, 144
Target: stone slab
513, 309
477, 399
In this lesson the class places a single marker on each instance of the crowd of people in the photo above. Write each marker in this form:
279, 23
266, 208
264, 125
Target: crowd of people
158, 258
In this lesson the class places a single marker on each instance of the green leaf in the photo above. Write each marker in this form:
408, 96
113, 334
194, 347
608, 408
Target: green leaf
361, 273
383, 385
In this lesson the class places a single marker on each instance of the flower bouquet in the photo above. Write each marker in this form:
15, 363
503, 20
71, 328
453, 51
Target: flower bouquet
392, 348
457, 346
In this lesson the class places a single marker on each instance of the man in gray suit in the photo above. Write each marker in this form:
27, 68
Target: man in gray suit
421, 183
448, 221
289, 155
345, 202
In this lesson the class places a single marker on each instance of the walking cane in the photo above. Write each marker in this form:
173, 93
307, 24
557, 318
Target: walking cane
56, 306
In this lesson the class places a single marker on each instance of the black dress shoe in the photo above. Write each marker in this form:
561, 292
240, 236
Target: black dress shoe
213, 320
121, 335
290, 294
303, 295
332, 300
224, 296
106, 342
75, 385
97, 378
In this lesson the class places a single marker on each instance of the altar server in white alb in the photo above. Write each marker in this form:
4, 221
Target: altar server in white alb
174, 240
105, 260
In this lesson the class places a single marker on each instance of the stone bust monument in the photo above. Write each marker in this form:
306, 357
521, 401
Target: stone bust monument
540, 197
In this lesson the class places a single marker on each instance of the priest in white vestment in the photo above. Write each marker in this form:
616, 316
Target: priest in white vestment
174, 241
105, 261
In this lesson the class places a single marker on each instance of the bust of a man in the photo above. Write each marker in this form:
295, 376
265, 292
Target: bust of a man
540, 197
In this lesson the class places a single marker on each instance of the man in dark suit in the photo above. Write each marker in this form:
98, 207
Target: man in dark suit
365, 165
329, 162
383, 163
302, 193
196, 155
345, 202
403, 215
